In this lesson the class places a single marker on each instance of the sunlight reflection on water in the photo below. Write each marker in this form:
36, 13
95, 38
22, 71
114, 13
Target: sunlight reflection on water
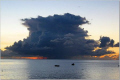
45, 69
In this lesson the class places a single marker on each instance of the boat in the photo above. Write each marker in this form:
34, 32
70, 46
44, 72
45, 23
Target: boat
57, 65
72, 64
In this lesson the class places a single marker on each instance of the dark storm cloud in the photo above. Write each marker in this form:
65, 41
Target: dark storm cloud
67, 23
58, 36
8, 53
102, 51
111, 43
104, 41
116, 45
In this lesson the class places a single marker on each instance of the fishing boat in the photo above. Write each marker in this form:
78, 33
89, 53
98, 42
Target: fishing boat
57, 65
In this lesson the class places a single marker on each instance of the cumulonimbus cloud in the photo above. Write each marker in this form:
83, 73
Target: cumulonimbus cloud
59, 36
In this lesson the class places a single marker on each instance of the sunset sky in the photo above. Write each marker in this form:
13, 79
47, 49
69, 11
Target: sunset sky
103, 16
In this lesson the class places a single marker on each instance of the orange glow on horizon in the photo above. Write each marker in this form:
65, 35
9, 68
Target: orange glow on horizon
34, 57
114, 56
37, 57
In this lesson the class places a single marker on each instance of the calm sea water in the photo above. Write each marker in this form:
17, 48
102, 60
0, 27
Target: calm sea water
45, 69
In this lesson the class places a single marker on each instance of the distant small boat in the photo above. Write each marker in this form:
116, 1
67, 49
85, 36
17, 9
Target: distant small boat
72, 64
57, 65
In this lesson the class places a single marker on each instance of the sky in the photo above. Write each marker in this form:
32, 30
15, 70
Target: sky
103, 16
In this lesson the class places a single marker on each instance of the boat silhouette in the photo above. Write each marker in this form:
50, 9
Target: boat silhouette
57, 65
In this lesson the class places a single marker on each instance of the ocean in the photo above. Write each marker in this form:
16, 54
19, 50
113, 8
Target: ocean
25, 69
